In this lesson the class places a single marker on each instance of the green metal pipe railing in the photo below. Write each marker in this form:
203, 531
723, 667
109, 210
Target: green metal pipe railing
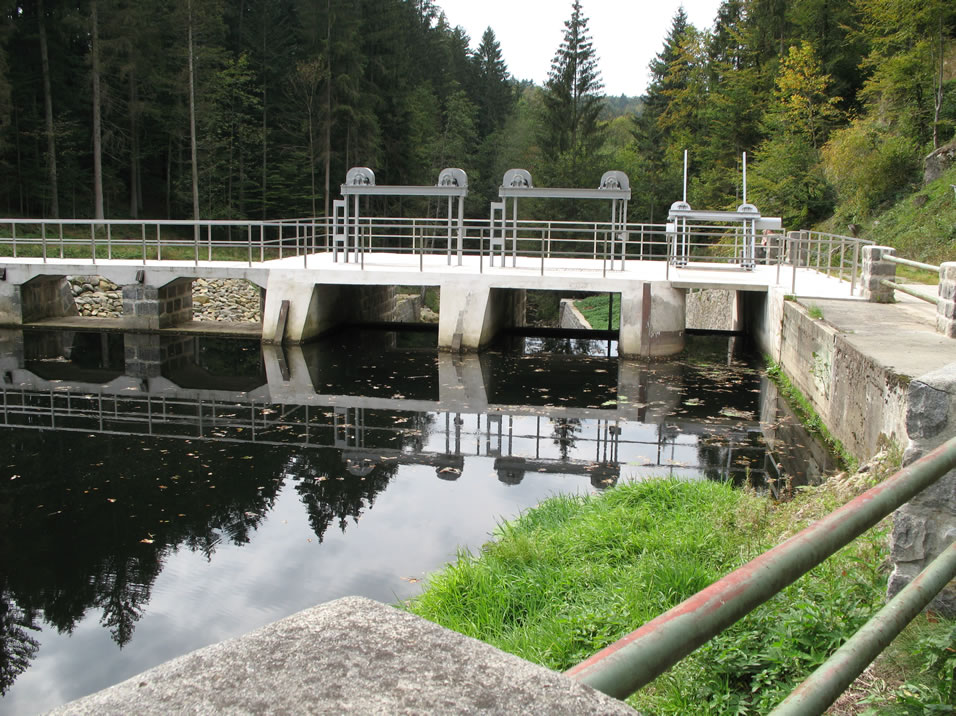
831, 678
908, 290
638, 658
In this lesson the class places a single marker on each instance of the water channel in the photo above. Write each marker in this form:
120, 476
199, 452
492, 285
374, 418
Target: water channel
159, 494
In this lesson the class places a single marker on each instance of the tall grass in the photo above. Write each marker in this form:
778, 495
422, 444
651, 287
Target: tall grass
576, 573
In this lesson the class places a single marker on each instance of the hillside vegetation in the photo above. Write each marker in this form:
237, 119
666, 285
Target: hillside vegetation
921, 225
255, 109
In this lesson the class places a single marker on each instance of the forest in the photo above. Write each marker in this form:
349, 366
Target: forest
255, 109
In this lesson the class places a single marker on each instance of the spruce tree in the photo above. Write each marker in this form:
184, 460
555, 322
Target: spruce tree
572, 102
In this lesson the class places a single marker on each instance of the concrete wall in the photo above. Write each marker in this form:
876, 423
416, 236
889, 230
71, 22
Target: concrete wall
861, 402
652, 320
570, 317
713, 309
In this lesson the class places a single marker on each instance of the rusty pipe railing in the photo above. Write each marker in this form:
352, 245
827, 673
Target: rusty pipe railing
638, 658
831, 678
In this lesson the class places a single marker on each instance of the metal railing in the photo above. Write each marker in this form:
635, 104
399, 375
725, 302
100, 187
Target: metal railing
500, 434
142, 241
420, 242
929, 298
829, 254
638, 658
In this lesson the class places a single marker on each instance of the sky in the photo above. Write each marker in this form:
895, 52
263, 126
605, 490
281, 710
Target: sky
626, 33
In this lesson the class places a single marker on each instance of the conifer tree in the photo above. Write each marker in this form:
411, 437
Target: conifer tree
573, 100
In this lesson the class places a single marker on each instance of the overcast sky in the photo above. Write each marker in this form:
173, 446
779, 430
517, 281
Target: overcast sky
627, 33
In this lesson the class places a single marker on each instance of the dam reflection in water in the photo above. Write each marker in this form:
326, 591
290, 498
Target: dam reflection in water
165, 492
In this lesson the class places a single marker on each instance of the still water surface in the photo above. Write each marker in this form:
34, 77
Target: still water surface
161, 494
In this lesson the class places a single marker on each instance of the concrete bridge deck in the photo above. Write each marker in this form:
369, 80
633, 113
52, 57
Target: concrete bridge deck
307, 295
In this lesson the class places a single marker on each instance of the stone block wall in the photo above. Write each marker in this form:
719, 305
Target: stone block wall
154, 307
926, 525
143, 355
875, 270
176, 302
46, 297
946, 304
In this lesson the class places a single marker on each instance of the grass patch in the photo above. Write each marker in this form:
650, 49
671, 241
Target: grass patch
594, 309
576, 573
808, 416
815, 312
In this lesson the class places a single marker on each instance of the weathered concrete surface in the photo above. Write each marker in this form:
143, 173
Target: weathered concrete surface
570, 317
652, 320
711, 309
854, 364
352, 655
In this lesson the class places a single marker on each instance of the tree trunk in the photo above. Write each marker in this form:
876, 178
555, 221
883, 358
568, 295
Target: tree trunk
265, 127
48, 110
327, 149
134, 191
192, 115
97, 122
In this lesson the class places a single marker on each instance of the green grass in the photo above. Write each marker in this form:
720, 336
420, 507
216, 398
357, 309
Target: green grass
815, 312
577, 573
594, 309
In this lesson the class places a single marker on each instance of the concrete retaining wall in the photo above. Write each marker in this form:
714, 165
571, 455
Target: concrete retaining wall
861, 402
570, 317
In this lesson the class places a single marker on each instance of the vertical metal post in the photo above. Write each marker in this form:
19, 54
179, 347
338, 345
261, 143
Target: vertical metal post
856, 257
109, 241
262, 243
514, 233
209, 242
448, 234
13, 237
61, 240
143, 236
249, 243
43, 238
159, 244
92, 242
461, 226
197, 236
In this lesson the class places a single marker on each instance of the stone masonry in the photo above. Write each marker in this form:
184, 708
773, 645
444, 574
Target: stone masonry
152, 307
926, 525
46, 297
946, 305
876, 269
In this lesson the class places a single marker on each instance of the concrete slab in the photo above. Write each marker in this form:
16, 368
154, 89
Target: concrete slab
900, 336
352, 655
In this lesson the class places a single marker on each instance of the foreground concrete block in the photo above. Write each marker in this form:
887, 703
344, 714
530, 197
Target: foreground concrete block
352, 655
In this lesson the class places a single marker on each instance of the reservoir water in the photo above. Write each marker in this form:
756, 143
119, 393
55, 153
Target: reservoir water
159, 494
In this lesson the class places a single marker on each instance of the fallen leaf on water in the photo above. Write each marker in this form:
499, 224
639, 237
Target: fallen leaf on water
411, 580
